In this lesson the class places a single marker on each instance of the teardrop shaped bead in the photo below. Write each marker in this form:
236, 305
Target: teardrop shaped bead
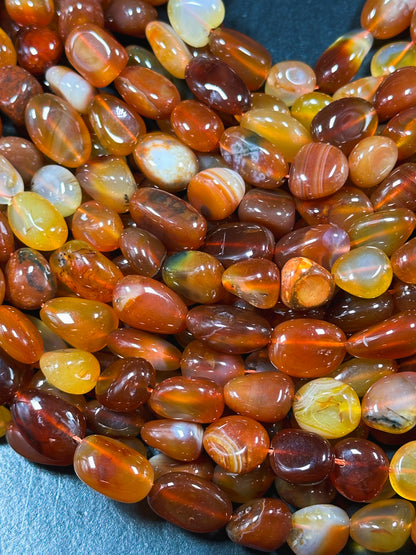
178, 439
193, 21
168, 47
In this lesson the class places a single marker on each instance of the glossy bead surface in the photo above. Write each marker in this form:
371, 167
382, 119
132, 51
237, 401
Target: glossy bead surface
7, 50
392, 56
396, 190
23, 155
304, 495
403, 471
19, 336
162, 464
365, 88
143, 250
289, 80
362, 373
12, 182
59, 186
305, 108
111, 423
38, 48
129, 17
386, 19
403, 262
193, 21
395, 93
169, 48
400, 129
39, 12
175, 438
241, 488
197, 125
18, 86
97, 224
71, 86
72, 14
371, 160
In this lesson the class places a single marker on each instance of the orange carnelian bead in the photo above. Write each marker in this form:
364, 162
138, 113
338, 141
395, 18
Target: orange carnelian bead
18, 335
386, 18
178, 439
102, 420
273, 209
305, 108
397, 189
70, 85
147, 304
401, 129
197, 125
168, 48
244, 487
297, 345
83, 323
392, 56
113, 469
143, 250
371, 160
23, 155
38, 48
86, 271
396, 93
7, 50
72, 14
289, 80
129, 17
97, 224
95, 54
17, 87
6, 239
365, 88
202, 466
2, 286
403, 262
30, 12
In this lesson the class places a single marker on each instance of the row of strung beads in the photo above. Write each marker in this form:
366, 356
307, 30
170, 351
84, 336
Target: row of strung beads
268, 275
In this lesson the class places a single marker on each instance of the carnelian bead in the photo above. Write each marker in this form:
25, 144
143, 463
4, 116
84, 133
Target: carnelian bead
57, 130
113, 469
197, 125
86, 271
402, 471
289, 80
7, 245
397, 189
403, 295
168, 47
19, 336
371, 160
344, 205
17, 87
14, 376
72, 14
262, 524
8, 55
40, 383
23, 155
59, 186
241, 488
190, 502
101, 420
403, 262
162, 464
304, 495
396, 93
71, 86
12, 182
100, 225
191, 399
143, 250
5, 420
400, 128
38, 48
25, 12
129, 17
236, 443
193, 21
385, 19
305, 108
84, 324
392, 56
178, 439
362, 373
267, 101
95, 54
365, 88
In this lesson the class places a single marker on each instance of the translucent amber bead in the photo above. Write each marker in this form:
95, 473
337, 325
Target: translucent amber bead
86, 271
385, 19
111, 423
320, 529
95, 54
284, 131
397, 189
289, 80
18, 86
143, 250
113, 469
364, 271
162, 464
190, 502
38, 48
7, 50
383, 526
71, 86
12, 182
262, 524
396, 93
129, 17
247, 57
197, 125
244, 487
72, 370
178, 439
72, 14
392, 56
116, 125
236, 443
23, 155
371, 160
59, 186
327, 407
168, 47
5, 420
140, 56
38, 12
362, 373
100, 225
40, 383
403, 471
36, 222
341, 61
403, 262
305, 108
304, 495
400, 129
194, 275
365, 88
193, 21
267, 101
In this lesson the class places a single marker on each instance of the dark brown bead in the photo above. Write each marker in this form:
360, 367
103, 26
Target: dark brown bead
13, 377
23, 155
396, 93
17, 87
104, 421
129, 17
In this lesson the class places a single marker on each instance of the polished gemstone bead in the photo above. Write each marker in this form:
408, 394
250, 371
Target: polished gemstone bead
71, 86
305, 108
59, 186
345, 205
371, 160
247, 57
148, 305
190, 502
194, 275
14, 376
178, 439
385, 19
241, 488
391, 56
261, 524
23, 155
192, 399
403, 262
345, 122
267, 101
17, 87
101, 420
397, 189
383, 526
36, 222
97, 224
174, 221
365, 88
129, 17
38, 48
72, 370
193, 21
11, 183
168, 47
396, 93
25, 12
236, 443
320, 529
162, 464
197, 125
140, 56
403, 471
5, 420
289, 80
403, 295
40, 383
57, 130
304, 495
7, 243
72, 14
362, 373
143, 250
327, 407
257, 160
113, 469
400, 129
7, 50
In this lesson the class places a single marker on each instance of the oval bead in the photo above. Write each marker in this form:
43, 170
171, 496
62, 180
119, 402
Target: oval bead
403, 262
193, 21
178, 439
72, 15
97, 224
289, 80
71, 86
101, 420
371, 160
144, 252
19, 337
169, 48
403, 471
13, 377
202, 467
12, 182
130, 17
305, 108
397, 189
385, 19
18, 86
392, 56
23, 155
59, 186
244, 487
362, 373
396, 93
400, 128
197, 125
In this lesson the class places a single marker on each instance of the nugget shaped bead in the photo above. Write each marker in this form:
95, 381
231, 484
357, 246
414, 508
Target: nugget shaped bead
403, 471
289, 80
403, 262
396, 93
59, 186
71, 370
169, 48
362, 373
71, 86
197, 125
97, 224
193, 21
385, 19
143, 250
19, 336
371, 160
12, 182
178, 439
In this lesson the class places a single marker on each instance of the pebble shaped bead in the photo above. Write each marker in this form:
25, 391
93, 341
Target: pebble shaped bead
197, 125
403, 262
129, 17
116, 125
174, 221
215, 83
362, 373
385, 19
306, 347
18, 86
403, 471
129, 342
71, 370
341, 60
11, 182
318, 170
305, 108
241, 488
192, 399
190, 502
392, 56
86, 271
281, 129
72, 14
97, 224
194, 275
7, 242
327, 407
321, 529
383, 526
304, 495
29, 279
101, 420
365, 88
7, 50
23, 155
396, 93
148, 92
57, 130
140, 56
25, 12
236, 443
19, 337
38, 48
247, 57
113, 469
401, 129
168, 47
364, 272
258, 161
397, 189
95, 54
165, 160
193, 21
71, 86
162, 464
371, 160
267, 101
83, 323
262, 524
146, 304
178, 439
59, 186
36, 222
13, 376
289, 80
143, 250
344, 122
